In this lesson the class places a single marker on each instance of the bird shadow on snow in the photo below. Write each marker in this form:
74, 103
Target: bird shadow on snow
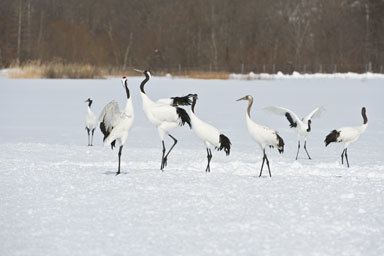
114, 173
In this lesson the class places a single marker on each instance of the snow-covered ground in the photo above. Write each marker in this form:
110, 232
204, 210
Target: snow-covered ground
60, 197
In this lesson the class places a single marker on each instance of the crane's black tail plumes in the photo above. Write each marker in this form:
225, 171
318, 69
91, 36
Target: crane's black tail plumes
332, 137
280, 144
106, 133
182, 101
184, 117
225, 144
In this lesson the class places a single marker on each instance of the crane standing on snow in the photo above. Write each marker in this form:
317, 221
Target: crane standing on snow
264, 136
347, 135
208, 134
90, 122
115, 124
165, 115
302, 126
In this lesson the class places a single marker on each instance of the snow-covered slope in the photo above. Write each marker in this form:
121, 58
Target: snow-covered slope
60, 197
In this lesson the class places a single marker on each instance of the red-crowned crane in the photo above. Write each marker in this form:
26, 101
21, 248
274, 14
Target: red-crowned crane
302, 126
264, 136
208, 134
90, 122
165, 115
347, 135
115, 124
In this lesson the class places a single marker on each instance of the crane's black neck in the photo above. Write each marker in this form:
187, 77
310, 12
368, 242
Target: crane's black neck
363, 113
309, 125
126, 89
193, 104
144, 82
90, 103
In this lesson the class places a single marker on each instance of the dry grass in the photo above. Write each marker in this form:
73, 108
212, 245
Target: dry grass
58, 69
36, 69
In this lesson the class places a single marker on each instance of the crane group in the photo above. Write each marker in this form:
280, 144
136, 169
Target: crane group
168, 113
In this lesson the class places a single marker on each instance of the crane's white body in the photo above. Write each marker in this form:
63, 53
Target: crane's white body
302, 128
164, 101
118, 122
206, 132
165, 115
350, 134
263, 135
209, 134
162, 115
115, 124
347, 135
91, 120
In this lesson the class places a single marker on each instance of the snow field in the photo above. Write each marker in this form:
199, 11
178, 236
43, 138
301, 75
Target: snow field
58, 196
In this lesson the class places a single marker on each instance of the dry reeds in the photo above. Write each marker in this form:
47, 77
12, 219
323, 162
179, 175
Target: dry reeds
55, 69
59, 69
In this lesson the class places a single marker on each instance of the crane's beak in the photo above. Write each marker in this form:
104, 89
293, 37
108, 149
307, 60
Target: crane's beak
244, 98
138, 70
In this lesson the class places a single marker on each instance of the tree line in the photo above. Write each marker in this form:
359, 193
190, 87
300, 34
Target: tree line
200, 35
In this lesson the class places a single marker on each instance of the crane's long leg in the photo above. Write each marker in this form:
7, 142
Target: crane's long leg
209, 157
165, 158
342, 156
262, 164
298, 148
118, 170
162, 157
88, 135
346, 157
269, 169
93, 131
305, 147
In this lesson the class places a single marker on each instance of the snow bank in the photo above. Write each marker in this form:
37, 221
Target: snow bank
296, 75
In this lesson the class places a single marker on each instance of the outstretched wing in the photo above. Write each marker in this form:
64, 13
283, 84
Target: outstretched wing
292, 117
109, 117
315, 113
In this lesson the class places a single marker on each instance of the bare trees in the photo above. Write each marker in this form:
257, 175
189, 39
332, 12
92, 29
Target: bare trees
220, 35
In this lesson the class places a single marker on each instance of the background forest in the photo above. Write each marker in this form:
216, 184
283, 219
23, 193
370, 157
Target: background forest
200, 35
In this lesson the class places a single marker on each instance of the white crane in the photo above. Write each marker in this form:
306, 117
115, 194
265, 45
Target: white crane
165, 115
90, 122
347, 135
264, 136
115, 124
302, 126
208, 134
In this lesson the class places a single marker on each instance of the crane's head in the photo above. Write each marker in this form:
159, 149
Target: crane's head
193, 96
89, 101
124, 81
146, 72
248, 97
